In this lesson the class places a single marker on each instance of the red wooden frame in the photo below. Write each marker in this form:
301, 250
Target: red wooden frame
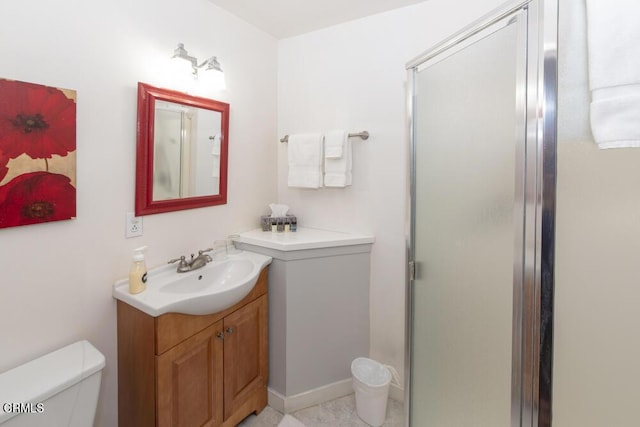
147, 96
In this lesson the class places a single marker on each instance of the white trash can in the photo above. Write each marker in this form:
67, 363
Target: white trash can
371, 381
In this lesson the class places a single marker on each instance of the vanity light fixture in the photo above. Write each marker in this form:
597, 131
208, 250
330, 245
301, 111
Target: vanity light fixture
210, 63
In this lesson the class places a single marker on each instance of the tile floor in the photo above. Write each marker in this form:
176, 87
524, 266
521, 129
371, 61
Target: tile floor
336, 413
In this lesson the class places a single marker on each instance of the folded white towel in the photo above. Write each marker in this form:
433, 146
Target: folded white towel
305, 160
337, 171
334, 144
613, 36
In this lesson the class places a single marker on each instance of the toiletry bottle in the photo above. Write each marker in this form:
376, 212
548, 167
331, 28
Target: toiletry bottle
138, 272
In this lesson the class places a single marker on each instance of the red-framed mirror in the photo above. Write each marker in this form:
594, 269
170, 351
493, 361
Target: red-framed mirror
182, 151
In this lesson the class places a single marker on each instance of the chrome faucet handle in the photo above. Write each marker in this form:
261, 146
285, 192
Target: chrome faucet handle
202, 253
182, 260
182, 266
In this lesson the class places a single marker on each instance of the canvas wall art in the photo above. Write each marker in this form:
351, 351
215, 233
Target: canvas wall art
37, 153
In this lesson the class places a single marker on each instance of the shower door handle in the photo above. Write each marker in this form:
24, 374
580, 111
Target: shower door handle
413, 267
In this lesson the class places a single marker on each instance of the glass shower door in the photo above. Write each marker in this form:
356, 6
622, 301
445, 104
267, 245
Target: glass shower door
467, 228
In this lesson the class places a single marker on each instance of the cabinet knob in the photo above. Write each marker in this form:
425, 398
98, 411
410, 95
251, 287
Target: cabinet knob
220, 335
229, 330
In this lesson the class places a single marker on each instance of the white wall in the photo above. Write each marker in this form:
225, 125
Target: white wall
596, 346
352, 76
56, 278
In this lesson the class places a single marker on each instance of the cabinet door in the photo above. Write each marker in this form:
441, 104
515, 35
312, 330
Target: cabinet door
245, 354
189, 381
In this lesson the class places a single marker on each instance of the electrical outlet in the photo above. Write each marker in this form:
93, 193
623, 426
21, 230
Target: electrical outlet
133, 225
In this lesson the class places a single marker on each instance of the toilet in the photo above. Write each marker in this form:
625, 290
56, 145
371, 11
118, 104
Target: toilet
58, 389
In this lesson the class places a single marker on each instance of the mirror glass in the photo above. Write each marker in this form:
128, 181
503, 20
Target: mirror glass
186, 158
182, 151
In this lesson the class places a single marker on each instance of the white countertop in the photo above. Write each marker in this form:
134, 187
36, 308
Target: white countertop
304, 238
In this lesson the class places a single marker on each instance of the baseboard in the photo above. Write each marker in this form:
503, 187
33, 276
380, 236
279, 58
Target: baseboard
316, 396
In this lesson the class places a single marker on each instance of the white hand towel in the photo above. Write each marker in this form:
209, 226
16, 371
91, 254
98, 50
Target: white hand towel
337, 171
305, 160
613, 36
334, 144
215, 145
215, 152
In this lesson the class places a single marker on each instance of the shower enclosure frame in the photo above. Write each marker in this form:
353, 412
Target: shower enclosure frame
532, 333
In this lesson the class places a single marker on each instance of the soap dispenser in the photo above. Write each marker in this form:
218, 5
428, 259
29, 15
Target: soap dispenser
138, 272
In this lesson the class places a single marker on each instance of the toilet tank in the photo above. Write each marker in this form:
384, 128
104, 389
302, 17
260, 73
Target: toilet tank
58, 389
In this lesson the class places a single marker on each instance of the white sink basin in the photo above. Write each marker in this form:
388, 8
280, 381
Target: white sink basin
213, 288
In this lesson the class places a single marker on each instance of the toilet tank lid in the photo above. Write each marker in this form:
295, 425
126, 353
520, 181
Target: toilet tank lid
41, 378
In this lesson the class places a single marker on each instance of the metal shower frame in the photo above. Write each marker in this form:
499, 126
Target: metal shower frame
532, 337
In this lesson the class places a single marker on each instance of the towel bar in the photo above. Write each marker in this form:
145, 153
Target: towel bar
363, 135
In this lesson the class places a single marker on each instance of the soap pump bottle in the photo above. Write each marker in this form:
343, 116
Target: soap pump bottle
138, 272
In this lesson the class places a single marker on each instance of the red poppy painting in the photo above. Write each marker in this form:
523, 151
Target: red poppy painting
37, 153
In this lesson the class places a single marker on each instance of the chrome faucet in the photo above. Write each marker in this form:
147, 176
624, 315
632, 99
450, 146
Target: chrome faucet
195, 263
201, 260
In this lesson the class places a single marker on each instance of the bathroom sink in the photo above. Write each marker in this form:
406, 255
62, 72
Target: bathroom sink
213, 288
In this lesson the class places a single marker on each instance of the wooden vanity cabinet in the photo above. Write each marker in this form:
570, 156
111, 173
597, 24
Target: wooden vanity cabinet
189, 381
184, 371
